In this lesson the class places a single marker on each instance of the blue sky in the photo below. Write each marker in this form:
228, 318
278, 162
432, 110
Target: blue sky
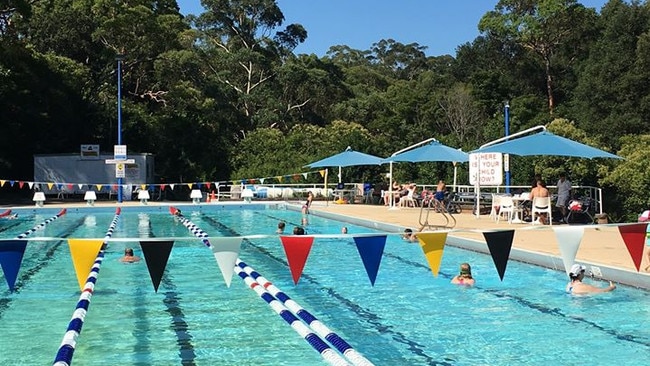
440, 25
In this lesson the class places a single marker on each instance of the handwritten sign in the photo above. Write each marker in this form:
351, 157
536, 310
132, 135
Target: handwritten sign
487, 168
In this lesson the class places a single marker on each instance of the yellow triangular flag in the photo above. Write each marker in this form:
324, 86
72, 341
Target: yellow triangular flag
322, 173
433, 244
83, 253
190, 185
50, 185
2, 183
143, 187
99, 187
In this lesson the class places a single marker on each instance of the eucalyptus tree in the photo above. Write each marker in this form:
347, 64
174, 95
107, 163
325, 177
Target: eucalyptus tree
243, 47
543, 27
614, 82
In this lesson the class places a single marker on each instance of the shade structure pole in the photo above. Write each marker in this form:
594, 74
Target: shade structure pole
119, 118
327, 193
340, 174
455, 172
507, 133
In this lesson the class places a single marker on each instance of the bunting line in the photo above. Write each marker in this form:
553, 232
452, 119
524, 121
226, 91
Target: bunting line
69, 342
321, 329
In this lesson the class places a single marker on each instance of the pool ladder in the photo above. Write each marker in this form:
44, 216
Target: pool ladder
426, 209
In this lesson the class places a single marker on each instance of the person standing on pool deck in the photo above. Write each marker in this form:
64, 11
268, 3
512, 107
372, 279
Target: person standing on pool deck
465, 276
576, 287
307, 205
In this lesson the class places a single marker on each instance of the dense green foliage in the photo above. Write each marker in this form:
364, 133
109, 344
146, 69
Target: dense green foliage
222, 96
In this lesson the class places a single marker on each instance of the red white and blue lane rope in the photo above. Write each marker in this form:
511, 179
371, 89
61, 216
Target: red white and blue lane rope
42, 224
328, 354
321, 329
66, 350
318, 344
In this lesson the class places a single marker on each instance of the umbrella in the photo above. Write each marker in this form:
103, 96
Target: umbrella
427, 150
348, 157
546, 143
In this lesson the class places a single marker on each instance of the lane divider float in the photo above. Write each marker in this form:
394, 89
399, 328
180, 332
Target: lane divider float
321, 329
42, 224
66, 350
328, 354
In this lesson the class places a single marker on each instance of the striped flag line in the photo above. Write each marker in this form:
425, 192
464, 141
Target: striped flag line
66, 350
42, 224
321, 329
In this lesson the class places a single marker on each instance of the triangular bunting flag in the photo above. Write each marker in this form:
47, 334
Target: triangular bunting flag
30, 184
11, 255
11, 183
99, 187
162, 187
279, 178
59, 186
634, 237
262, 180
304, 175
189, 185
21, 184
81, 186
568, 240
297, 249
499, 243
70, 186
226, 252
171, 186
83, 253
322, 173
2, 182
433, 245
156, 254
208, 185
143, 187
371, 248
50, 185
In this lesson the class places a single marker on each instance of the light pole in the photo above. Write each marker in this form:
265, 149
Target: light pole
507, 133
119, 58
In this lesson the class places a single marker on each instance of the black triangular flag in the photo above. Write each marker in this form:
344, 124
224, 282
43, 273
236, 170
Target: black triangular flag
499, 243
156, 254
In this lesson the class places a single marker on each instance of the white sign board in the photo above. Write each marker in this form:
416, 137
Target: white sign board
89, 152
487, 167
119, 152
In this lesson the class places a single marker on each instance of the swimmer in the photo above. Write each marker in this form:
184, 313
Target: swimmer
409, 236
344, 230
129, 257
576, 287
281, 226
465, 276
298, 231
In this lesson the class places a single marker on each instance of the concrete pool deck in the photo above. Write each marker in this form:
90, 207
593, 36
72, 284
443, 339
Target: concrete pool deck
602, 248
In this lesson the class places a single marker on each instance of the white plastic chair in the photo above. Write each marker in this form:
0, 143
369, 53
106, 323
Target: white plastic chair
507, 208
408, 200
496, 204
542, 205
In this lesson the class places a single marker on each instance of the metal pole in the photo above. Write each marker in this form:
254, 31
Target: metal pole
507, 133
119, 117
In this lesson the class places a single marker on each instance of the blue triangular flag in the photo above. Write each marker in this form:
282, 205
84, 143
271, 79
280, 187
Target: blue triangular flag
11, 255
371, 248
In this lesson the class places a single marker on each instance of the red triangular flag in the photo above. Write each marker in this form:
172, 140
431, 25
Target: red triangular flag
156, 254
634, 237
499, 243
297, 249
21, 184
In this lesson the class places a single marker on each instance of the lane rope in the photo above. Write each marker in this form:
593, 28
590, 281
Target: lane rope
321, 329
69, 342
42, 224
328, 354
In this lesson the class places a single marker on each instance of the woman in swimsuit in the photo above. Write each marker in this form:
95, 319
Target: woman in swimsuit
577, 274
465, 276
307, 205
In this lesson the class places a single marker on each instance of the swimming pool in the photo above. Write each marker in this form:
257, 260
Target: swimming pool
408, 318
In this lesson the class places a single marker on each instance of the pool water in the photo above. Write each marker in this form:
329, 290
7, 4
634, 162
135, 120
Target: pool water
409, 317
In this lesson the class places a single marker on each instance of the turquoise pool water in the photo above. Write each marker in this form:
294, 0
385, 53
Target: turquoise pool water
408, 318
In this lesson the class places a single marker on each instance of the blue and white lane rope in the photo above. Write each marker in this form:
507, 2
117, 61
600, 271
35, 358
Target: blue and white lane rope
66, 350
328, 354
321, 329
42, 224
318, 344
